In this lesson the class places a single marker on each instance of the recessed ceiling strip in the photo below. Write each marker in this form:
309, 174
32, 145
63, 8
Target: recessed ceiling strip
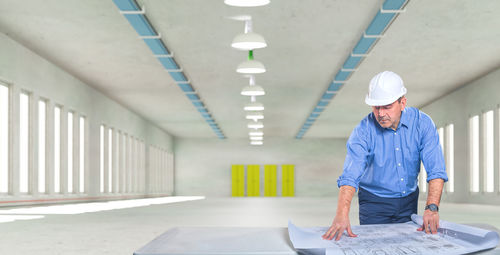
137, 18
389, 10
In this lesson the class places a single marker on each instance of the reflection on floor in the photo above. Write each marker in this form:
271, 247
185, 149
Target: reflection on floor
122, 231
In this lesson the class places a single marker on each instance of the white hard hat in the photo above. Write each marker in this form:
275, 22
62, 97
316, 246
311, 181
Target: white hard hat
385, 88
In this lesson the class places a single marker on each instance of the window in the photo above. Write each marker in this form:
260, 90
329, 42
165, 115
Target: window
42, 117
123, 171
143, 171
24, 127
423, 178
474, 153
132, 164
4, 139
488, 142
110, 160
128, 157
57, 149
82, 154
118, 164
70, 152
101, 168
441, 138
450, 157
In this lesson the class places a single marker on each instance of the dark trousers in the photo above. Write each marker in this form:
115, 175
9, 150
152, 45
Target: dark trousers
381, 210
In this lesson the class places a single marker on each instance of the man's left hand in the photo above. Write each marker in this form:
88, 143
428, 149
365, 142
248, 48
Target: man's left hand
431, 222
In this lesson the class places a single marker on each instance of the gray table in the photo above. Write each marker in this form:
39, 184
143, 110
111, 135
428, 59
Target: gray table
220, 240
230, 240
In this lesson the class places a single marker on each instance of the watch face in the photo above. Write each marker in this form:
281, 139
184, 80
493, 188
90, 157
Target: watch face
432, 207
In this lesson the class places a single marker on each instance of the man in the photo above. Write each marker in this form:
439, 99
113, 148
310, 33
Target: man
383, 161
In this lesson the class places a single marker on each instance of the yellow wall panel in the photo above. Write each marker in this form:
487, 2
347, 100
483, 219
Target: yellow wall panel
270, 180
238, 180
288, 179
253, 180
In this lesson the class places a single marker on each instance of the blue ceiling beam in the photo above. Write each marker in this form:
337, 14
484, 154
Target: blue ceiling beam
327, 96
140, 24
186, 87
156, 46
363, 45
378, 25
138, 20
126, 5
323, 103
342, 75
178, 76
393, 4
334, 87
351, 62
169, 63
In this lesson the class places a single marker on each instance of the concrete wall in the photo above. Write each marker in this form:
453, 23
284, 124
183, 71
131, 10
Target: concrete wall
203, 166
457, 107
24, 71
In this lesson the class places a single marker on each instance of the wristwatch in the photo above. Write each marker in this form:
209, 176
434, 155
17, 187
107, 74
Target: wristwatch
432, 207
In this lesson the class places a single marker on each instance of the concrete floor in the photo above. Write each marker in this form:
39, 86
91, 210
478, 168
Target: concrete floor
123, 231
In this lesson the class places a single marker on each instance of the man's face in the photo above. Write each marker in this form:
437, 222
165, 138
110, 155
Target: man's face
388, 115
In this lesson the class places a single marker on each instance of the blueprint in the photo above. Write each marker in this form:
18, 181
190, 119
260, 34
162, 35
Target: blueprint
398, 238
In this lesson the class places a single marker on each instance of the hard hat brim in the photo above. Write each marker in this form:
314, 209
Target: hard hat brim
385, 101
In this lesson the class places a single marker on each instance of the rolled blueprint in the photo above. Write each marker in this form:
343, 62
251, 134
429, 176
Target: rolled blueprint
397, 238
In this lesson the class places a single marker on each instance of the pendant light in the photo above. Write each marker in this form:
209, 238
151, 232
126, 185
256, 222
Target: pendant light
252, 89
256, 142
255, 124
251, 66
255, 116
256, 133
247, 3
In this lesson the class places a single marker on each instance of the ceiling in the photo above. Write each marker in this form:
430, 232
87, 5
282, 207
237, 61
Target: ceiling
436, 46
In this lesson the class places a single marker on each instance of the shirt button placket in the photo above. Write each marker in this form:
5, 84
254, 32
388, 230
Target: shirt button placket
399, 159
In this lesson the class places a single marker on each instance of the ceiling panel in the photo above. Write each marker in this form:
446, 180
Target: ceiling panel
436, 46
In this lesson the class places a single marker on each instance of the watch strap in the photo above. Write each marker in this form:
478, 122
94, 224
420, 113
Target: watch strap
432, 207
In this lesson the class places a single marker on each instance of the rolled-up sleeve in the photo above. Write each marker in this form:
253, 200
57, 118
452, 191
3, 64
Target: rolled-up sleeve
431, 152
356, 159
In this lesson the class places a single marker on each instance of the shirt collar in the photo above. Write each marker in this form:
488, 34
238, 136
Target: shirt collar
404, 118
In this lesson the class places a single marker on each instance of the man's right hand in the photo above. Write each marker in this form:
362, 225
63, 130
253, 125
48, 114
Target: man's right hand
339, 225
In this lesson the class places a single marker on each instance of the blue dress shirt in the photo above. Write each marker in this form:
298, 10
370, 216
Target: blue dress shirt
386, 162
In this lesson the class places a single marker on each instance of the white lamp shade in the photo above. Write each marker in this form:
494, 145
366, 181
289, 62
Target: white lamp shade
256, 142
249, 41
254, 90
247, 3
251, 67
256, 133
255, 116
254, 106
255, 124
256, 138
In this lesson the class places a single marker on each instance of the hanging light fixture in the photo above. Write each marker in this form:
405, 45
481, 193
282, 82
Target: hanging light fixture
247, 3
248, 40
255, 116
252, 89
256, 142
255, 124
256, 133
254, 106
251, 66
